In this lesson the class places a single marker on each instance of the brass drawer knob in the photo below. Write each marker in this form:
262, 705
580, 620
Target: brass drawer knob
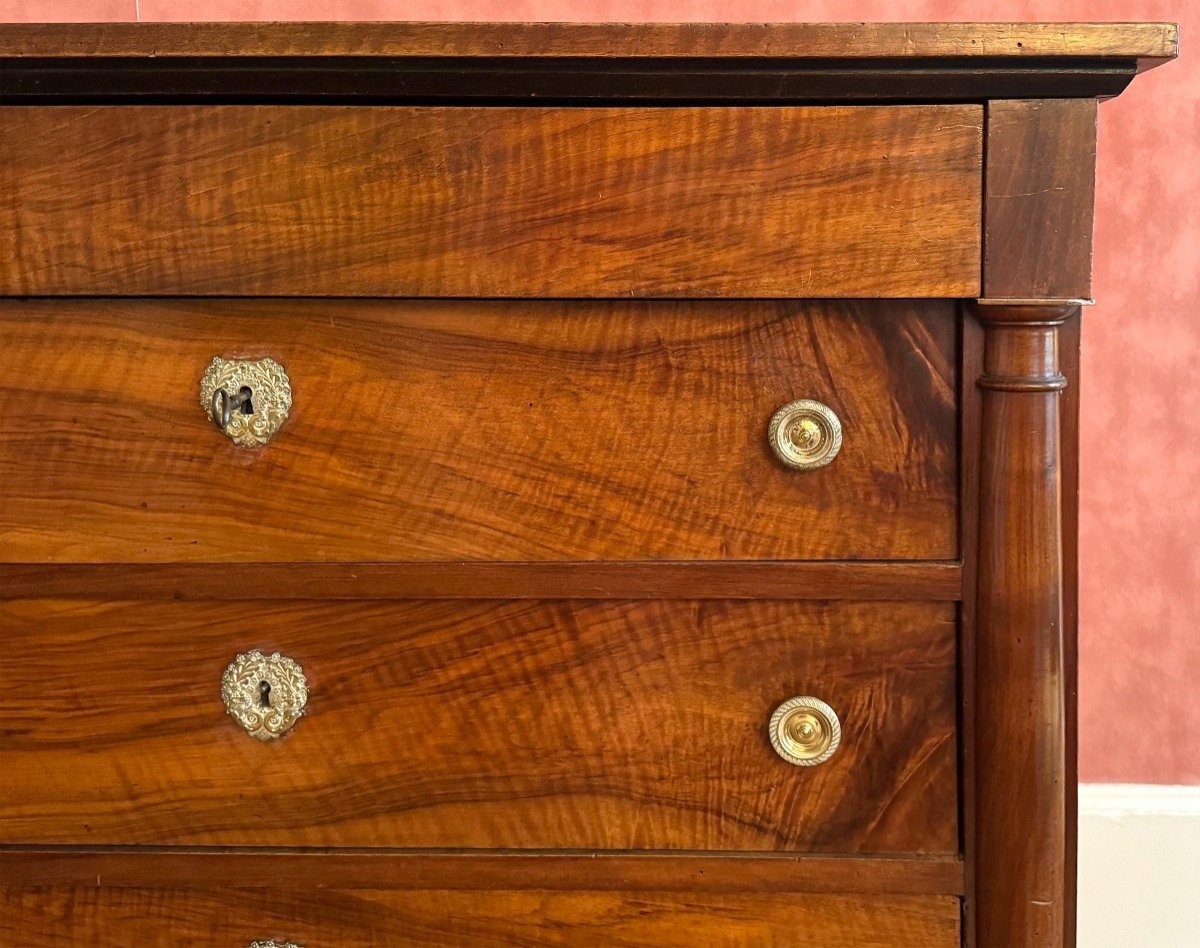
265, 694
805, 731
805, 434
247, 399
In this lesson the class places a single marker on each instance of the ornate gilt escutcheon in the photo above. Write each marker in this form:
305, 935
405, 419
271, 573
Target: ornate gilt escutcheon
247, 399
265, 694
805, 434
272, 943
805, 731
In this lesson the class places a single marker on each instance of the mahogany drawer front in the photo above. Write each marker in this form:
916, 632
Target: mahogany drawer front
508, 725
229, 916
477, 431
399, 201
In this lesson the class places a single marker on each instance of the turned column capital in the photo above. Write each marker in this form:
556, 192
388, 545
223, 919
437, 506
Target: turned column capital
1021, 343
1006, 312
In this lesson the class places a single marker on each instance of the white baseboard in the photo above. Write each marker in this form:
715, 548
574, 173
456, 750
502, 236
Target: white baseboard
1139, 866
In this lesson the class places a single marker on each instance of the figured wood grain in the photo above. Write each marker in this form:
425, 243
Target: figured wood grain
400, 201
626, 725
170, 867
1149, 42
1039, 197
476, 431
533, 580
99, 918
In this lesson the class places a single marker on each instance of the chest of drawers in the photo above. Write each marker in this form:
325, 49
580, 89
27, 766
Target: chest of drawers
585, 485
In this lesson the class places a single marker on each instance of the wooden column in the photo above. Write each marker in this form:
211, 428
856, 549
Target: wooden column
1020, 739
1039, 185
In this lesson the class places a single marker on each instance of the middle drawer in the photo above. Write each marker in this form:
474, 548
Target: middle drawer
473, 430
524, 725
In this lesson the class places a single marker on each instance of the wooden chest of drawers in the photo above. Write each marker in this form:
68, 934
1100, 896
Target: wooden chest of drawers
493, 485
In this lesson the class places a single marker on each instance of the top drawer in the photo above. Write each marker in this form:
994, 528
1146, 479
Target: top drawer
440, 430
872, 201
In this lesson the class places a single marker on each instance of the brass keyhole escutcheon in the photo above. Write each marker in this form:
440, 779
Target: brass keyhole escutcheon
805, 434
805, 731
265, 694
249, 400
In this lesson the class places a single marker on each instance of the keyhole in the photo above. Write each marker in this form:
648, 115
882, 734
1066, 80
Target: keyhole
264, 694
247, 405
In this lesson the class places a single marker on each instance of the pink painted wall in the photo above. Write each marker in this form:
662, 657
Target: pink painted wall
1140, 531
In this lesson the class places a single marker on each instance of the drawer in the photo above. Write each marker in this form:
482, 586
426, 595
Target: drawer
866, 201
458, 431
229, 916
511, 725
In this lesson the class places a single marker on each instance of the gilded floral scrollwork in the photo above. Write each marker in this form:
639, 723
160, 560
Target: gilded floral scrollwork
265, 694
264, 392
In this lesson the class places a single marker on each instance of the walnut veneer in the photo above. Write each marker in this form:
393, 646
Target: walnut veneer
650, 450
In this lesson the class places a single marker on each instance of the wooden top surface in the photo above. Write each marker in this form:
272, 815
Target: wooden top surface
1149, 43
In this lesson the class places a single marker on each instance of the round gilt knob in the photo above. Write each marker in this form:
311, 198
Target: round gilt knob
805, 434
265, 694
805, 731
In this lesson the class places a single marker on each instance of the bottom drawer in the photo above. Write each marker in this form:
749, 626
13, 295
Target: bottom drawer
231, 918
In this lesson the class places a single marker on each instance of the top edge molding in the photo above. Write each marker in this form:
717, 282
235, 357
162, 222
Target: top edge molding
1146, 43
